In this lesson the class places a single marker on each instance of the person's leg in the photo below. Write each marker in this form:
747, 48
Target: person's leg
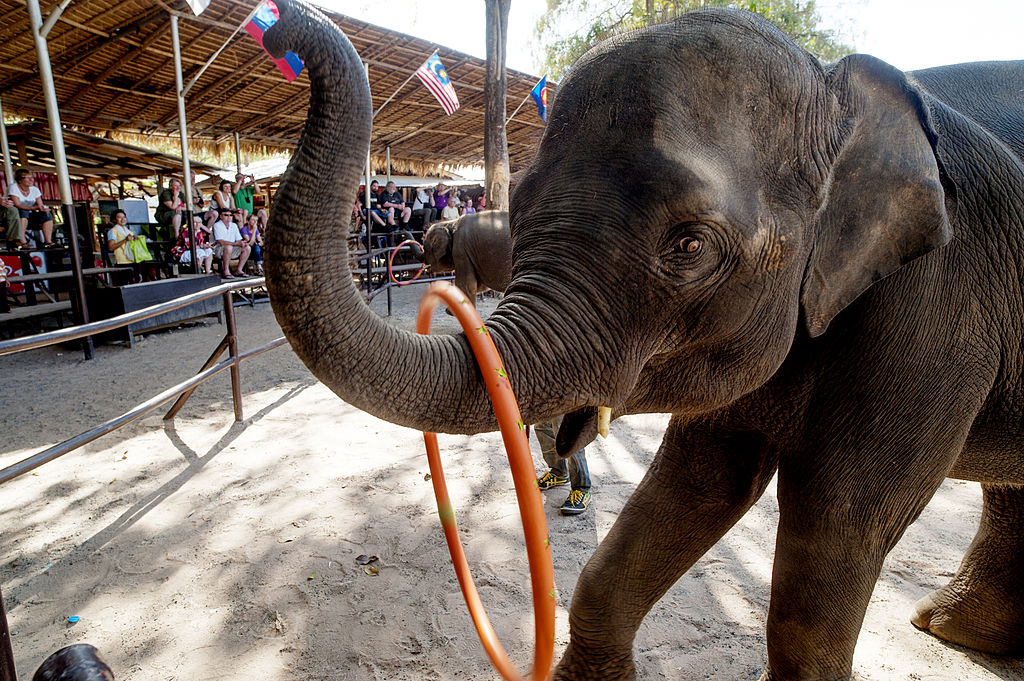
47, 227
406, 216
559, 467
176, 224
225, 260
243, 255
15, 231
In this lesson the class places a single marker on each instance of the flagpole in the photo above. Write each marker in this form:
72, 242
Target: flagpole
393, 94
518, 108
217, 53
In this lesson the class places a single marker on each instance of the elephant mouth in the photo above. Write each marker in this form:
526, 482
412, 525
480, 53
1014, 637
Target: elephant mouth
580, 427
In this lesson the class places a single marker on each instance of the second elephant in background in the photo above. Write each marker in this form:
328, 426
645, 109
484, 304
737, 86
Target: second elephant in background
476, 246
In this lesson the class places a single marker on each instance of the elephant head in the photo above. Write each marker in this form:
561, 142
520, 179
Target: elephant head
437, 247
735, 196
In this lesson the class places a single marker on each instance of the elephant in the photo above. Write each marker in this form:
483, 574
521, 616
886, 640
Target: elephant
476, 246
816, 270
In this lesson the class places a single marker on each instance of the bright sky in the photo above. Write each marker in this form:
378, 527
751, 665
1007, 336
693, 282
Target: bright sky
909, 34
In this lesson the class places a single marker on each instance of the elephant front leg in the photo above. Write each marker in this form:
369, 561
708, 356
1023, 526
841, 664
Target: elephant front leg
840, 515
699, 485
983, 606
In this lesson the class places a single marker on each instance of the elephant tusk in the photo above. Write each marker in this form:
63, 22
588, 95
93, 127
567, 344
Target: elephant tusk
604, 419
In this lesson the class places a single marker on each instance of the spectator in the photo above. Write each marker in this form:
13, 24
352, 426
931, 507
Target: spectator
223, 198
251, 235
468, 205
572, 471
197, 196
481, 203
441, 195
171, 206
29, 202
230, 241
391, 200
376, 214
11, 221
182, 249
243, 195
118, 237
423, 206
450, 211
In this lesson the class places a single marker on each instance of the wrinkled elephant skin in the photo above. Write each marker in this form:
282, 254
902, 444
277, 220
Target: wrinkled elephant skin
816, 270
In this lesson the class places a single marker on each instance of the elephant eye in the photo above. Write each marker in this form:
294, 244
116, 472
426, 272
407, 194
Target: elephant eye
690, 245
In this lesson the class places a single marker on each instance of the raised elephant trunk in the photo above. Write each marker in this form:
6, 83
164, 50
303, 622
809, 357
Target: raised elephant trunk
428, 383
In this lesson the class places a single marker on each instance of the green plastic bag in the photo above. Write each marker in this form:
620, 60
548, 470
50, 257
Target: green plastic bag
138, 249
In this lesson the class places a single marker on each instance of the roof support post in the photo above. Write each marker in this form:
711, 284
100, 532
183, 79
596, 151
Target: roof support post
81, 311
238, 155
8, 169
387, 160
186, 178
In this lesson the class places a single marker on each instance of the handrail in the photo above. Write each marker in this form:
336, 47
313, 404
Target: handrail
71, 333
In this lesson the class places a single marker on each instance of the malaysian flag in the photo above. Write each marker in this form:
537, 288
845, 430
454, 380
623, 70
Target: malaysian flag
434, 76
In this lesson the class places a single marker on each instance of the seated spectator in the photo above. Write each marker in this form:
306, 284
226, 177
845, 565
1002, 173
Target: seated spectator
29, 201
118, 237
481, 203
450, 212
376, 214
182, 250
171, 207
468, 207
11, 222
230, 241
252, 235
423, 206
391, 200
223, 198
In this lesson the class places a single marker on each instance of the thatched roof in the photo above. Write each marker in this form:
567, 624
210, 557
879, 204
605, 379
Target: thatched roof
91, 156
114, 72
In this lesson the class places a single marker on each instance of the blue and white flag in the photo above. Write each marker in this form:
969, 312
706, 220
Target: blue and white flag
540, 95
434, 76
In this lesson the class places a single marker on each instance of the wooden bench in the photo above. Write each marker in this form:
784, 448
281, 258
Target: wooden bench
30, 311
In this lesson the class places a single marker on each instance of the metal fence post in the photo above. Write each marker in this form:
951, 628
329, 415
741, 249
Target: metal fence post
7, 670
236, 379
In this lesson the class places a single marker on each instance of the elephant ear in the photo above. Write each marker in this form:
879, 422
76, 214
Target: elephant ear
884, 203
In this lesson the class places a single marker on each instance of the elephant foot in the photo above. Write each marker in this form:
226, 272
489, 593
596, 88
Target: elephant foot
580, 666
989, 625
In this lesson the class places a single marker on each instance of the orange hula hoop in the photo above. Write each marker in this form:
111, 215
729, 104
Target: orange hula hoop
531, 507
391, 262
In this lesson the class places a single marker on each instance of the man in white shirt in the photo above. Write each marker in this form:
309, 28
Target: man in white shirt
424, 206
227, 236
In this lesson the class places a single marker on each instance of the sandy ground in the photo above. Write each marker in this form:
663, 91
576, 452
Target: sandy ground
205, 549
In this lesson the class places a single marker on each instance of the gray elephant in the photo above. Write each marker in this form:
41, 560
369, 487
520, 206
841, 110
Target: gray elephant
476, 246
817, 272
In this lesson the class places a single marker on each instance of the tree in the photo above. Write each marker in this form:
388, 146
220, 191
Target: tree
798, 18
496, 172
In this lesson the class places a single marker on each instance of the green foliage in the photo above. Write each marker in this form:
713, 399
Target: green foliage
798, 18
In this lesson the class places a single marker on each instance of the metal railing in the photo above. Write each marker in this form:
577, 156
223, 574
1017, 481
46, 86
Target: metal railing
182, 391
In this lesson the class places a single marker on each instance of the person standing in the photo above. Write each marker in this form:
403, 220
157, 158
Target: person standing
243, 194
572, 471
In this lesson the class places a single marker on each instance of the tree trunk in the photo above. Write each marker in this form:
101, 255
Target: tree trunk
495, 141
